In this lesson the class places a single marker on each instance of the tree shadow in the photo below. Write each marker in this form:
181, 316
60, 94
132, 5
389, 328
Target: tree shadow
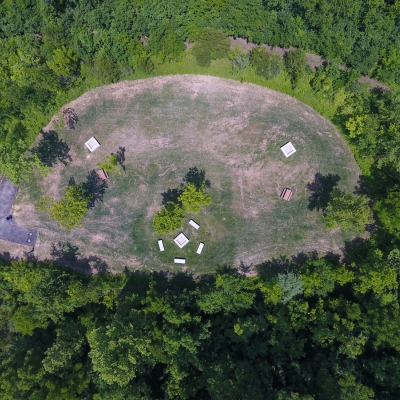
273, 267
6, 256
65, 252
68, 255
226, 269
197, 177
94, 187
171, 195
284, 264
121, 157
321, 190
97, 264
51, 149
362, 187
244, 269
302, 258
29, 256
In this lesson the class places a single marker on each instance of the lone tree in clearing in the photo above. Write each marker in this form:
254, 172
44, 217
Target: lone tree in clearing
169, 218
348, 212
70, 210
192, 198
110, 164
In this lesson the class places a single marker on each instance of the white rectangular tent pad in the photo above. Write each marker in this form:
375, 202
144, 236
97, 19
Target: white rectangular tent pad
288, 149
200, 248
92, 144
161, 245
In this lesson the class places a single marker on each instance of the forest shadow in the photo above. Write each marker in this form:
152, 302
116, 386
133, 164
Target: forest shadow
284, 264
94, 187
244, 268
29, 256
321, 190
6, 256
68, 255
139, 281
52, 149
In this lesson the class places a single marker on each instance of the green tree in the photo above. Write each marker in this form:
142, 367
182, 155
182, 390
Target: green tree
389, 212
168, 218
212, 44
348, 212
110, 164
15, 165
63, 62
240, 59
295, 65
192, 198
266, 64
105, 69
291, 286
70, 210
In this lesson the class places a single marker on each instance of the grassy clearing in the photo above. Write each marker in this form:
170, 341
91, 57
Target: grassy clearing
231, 130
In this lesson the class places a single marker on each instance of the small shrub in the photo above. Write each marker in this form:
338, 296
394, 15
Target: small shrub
240, 59
110, 164
145, 65
106, 69
266, 64
202, 55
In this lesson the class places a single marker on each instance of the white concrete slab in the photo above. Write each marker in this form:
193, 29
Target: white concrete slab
161, 245
179, 260
92, 144
194, 224
181, 240
288, 149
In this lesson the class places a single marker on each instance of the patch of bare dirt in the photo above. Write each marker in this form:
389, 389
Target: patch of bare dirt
374, 83
313, 60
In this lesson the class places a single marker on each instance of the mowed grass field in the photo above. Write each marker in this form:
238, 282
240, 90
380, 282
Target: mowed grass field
167, 125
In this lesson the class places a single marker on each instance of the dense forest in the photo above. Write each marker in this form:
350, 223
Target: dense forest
302, 328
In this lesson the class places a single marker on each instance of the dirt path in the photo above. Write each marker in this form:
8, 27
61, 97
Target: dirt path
313, 60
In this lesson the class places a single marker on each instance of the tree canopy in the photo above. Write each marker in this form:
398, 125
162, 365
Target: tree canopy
70, 210
318, 329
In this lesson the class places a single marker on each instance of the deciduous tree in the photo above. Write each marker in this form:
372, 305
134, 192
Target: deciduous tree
348, 212
70, 210
192, 198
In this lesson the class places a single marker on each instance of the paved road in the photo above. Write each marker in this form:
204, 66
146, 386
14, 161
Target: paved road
9, 230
